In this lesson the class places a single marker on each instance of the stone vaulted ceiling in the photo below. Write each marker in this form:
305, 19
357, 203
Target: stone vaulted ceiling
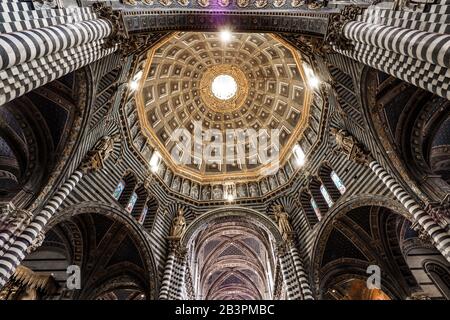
176, 93
234, 261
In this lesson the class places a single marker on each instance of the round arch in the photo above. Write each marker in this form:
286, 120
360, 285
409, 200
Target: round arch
333, 272
202, 221
231, 254
83, 89
136, 231
405, 121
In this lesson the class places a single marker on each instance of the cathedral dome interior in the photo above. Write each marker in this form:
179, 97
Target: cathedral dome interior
270, 93
224, 150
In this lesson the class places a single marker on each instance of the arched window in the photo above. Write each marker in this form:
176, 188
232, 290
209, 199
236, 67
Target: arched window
315, 208
325, 173
139, 205
299, 155
143, 215
338, 182
119, 189
130, 185
315, 187
148, 214
326, 196
131, 202
311, 214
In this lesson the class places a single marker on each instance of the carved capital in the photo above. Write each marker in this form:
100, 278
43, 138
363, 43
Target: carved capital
12, 218
180, 253
440, 212
419, 296
281, 249
36, 243
308, 44
176, 248
115, 17
336, 23
127, 43
423, 235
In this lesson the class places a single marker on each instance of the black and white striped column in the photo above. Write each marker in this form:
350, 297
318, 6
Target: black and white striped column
411, 46
301, 274
47, 69
177, 280
425, 46
23, 46
439, 236
289, 277
16, 253
168, 269
39, 46
13, 229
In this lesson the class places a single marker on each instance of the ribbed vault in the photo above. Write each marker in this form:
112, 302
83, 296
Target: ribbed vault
232, 259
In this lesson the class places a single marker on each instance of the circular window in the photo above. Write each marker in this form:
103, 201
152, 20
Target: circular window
224, 87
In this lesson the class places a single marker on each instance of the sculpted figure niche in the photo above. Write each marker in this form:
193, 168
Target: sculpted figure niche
194, 191
282, 218
206, 193
185, 188
279, 3
203, 3
178, 226
243, 3
260, 3
253, 190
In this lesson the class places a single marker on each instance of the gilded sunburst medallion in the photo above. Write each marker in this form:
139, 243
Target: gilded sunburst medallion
223, 88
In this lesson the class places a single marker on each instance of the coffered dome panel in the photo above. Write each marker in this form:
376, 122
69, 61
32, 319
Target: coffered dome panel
197, 80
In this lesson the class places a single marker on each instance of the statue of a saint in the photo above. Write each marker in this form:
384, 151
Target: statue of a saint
282, 218
344, 142
96, 157
348, 145
178, 225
